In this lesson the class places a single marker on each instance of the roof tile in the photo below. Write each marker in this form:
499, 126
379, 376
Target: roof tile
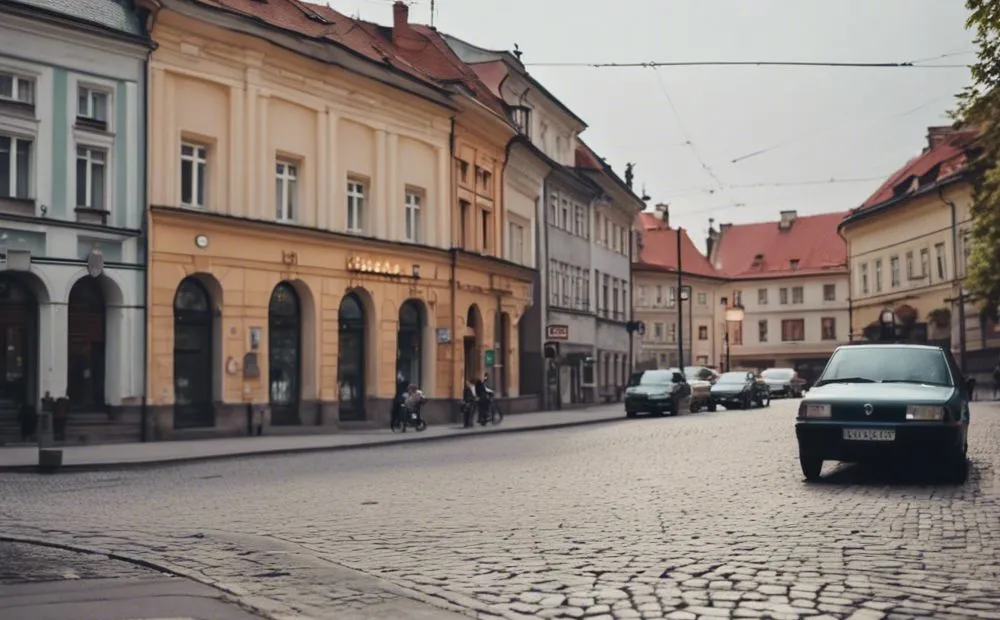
659, 250
764, 249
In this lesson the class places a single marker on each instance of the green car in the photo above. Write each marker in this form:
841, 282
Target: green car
886, 401
663, 392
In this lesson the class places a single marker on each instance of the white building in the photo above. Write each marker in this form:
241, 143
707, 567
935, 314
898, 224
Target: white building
72, 190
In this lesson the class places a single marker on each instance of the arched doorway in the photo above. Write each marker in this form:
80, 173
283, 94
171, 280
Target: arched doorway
284, 354
473, 325
193, 355
18, 325
85, 347
408, 344
351, 369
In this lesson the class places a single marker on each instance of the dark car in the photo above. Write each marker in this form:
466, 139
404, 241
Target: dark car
663, 392
740, 389
877, 401
784, 382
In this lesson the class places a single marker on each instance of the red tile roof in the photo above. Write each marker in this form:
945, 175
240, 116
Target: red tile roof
948, 156
650, 221
659, 251
586, 158
763, 249
492, 74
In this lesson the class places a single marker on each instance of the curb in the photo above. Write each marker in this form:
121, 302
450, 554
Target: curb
236, 594
90, 467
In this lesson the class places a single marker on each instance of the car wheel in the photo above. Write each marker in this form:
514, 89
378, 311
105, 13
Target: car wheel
713, 407
629, 414
765, 400
811, 467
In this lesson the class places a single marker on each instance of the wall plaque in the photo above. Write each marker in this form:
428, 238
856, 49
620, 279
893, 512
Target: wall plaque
381, 267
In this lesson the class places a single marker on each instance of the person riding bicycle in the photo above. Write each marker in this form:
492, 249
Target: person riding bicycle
414, 399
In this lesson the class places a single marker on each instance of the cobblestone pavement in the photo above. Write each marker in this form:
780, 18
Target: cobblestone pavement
702, 515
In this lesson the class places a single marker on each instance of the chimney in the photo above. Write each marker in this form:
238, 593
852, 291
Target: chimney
936, 136
663, 214
787, 219
400, 20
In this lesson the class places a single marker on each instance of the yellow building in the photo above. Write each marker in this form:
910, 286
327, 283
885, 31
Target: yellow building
908, 251
301, 227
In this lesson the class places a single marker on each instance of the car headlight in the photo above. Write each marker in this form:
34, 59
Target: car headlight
815, 411
925, 413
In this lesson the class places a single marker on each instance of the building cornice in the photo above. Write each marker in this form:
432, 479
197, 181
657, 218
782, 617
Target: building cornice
58, 26
901, 201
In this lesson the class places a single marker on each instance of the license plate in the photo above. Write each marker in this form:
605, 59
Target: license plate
869, 434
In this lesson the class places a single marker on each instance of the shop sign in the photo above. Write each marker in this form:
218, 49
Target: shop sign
359, 264
557, 332
490, 358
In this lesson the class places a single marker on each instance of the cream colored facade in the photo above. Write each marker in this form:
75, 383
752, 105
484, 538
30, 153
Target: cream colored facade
788, 322
369, 223
910, 255
656, 303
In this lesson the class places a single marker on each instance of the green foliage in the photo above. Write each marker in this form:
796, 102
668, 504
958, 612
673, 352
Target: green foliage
979, 106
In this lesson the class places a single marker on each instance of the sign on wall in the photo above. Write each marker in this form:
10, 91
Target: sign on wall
557, 332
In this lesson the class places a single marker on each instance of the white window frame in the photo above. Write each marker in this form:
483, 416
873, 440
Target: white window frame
12, 170
18, 80
197, 158
356, 203
411, 219
286, 178
91, 90
105, 161
515, 242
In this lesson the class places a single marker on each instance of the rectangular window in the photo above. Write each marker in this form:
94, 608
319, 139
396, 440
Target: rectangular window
909, 265
515, 242
762, 331
703, 332
92, 105
463, 170
286, 191
412, 217
736, 333
464, 211
607, 235
15, 167
553, 207
702, 299
485, 229
793, 330
783, 296
605, 285
925, 263
894, 271
762, 296
642, 295
671, 297
522, 119
356, 209
672, 337
624, 236
564, 215
578, 220
829, 328
194, 166
615, 298
91, 166
625, 308
864, 279
942, 268
16, 88
659, 295
878, 276
553, 284
829, 292
658, 332
798, 295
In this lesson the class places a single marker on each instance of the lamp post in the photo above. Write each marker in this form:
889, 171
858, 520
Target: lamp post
734, 314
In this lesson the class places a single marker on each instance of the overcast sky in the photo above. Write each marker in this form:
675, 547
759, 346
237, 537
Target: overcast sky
842, 123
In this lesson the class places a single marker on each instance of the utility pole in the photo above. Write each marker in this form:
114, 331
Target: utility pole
680, 303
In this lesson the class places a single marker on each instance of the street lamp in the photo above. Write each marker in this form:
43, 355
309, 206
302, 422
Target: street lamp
734, 314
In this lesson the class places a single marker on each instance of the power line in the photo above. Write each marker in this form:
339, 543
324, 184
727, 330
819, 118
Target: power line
830, 181
746, 63
687, 136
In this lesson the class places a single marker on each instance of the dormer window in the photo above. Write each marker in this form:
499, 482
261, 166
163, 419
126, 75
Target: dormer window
794, 264
522, 119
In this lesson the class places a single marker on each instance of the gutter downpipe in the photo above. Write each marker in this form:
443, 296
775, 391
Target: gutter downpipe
956, 281
850, 287
454, 271
145, 432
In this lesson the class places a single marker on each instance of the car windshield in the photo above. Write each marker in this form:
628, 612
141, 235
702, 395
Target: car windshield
692, 374
886, 364
651, 377
781, 374
733, 377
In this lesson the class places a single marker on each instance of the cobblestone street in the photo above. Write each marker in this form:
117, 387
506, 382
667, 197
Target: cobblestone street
702, 515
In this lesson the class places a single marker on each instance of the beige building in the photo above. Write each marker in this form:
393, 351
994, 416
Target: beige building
908, 251
657, 300
790, 277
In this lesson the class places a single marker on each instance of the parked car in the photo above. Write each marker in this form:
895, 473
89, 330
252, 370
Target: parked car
784, 382
663, 392
701, 387
740, 389
875, 401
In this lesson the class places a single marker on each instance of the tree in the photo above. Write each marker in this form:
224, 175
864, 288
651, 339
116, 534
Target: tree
979, 106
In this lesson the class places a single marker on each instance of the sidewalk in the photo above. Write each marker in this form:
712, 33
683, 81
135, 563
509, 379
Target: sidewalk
109, 456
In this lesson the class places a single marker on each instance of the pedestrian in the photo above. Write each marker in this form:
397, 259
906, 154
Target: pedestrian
996, 381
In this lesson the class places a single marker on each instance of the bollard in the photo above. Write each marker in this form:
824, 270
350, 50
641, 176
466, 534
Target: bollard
49, 460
